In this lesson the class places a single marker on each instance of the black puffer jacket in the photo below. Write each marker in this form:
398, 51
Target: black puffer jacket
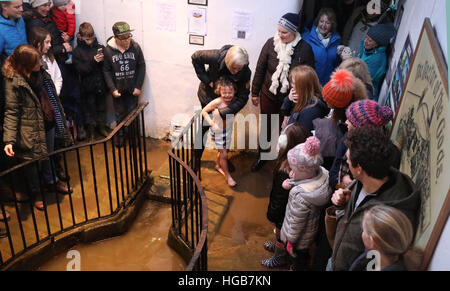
278, 200
268, 63
90, 72
33, 19
215, 59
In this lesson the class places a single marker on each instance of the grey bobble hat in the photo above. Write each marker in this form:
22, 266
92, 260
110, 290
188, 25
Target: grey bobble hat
37, 3
382, 33
58, 3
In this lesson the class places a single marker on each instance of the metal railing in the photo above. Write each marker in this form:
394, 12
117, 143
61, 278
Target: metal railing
105, 178
189, 204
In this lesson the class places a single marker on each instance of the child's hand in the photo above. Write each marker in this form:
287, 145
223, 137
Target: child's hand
116, 94
68, 47
99, 58
290, 249
286, 184
293, 96
136, 92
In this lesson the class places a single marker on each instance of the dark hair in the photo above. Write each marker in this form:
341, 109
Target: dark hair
37, 38
329, 12
224, 82
86, 30
296, 134
371, 149
22, 61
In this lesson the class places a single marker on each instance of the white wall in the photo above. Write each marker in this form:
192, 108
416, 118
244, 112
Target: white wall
415, 13
171, 84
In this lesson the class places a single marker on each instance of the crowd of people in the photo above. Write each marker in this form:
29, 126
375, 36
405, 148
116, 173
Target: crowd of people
336, 183
53, 94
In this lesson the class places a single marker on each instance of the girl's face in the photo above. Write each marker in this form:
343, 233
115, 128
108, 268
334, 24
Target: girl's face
324, 25
366, 238
285, 35
227, 93
47, 44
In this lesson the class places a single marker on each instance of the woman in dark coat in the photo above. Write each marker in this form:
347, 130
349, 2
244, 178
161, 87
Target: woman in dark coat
30, 117
278, 57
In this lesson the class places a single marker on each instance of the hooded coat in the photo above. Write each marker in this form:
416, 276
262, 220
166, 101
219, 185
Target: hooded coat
399, 192
376, 61
215, 59
306, 200
23, 126
123, 71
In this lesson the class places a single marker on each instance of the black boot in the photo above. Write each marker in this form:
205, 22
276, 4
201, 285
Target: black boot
258, 164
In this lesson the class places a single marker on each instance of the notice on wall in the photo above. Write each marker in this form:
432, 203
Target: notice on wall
242, 23
197, 21
166, 16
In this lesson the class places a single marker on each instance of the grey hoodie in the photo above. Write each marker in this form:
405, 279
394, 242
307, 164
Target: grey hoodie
306, 199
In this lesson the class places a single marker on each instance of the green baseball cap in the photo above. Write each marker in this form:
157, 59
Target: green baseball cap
121, 28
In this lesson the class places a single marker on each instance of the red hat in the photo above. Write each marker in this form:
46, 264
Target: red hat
338, 92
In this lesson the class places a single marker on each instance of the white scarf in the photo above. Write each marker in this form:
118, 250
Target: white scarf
284, 55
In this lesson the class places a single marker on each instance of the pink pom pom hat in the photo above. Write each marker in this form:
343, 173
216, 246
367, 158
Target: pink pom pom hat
306, 157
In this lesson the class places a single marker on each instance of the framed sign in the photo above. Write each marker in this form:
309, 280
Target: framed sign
422, 131
198, 2
196, 39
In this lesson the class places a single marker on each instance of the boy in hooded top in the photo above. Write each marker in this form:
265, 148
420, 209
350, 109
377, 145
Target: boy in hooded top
124, 71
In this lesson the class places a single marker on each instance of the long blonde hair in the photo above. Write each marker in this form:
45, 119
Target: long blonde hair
359, 69
307, 86
392, 232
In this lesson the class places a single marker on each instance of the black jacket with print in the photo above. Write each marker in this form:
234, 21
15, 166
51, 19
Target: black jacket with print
123, 71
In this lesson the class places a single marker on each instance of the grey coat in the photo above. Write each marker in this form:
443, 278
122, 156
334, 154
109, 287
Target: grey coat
306, 199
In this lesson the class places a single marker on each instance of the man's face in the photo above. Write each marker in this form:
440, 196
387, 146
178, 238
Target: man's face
12, 10
124, 41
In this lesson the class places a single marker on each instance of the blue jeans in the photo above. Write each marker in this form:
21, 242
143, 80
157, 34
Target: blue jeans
123, 106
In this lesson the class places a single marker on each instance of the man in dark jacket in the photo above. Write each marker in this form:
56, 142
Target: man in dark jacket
124, 71
88, 62
369, 155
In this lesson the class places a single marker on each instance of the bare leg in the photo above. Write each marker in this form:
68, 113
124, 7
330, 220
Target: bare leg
223, 163
218, 168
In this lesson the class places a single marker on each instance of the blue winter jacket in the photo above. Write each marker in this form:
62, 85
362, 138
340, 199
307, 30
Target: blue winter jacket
376, 61
12, 34
326, 58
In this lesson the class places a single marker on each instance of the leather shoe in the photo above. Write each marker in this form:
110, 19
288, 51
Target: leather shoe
258, 165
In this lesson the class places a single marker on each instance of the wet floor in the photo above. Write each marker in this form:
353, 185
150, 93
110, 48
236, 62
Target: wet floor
236, 245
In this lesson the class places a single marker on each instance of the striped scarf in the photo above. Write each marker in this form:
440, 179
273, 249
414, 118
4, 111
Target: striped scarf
60, 128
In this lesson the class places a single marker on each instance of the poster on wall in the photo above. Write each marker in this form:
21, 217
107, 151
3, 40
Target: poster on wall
242, 23
197, 21
405, 60
421, 129
166, 16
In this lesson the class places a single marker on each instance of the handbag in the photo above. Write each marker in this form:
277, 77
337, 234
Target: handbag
332, 215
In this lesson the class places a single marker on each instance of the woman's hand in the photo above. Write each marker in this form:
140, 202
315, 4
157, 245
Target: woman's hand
9, 150
255, 100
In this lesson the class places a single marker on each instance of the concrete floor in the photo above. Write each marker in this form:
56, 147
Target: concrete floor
235, 240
